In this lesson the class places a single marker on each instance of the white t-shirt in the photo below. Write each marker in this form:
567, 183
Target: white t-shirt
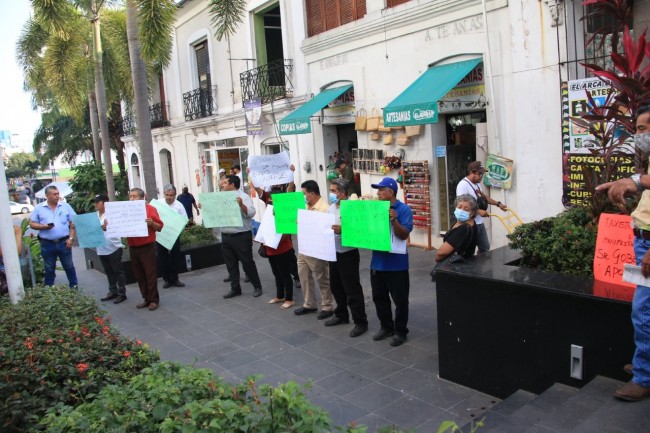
177, 206
336, 211
112, 244
465, 186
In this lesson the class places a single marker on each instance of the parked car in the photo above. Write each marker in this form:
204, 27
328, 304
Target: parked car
20, 207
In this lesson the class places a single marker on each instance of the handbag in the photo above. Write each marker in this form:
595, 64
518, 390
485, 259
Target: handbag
262, 251
372, 124
374, 136
388, 139
481, 201
403, 140
381, 127
451, 258
413, 130
361, 120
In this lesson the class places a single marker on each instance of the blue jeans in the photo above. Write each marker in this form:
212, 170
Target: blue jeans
482, 242
641, 322
50, 252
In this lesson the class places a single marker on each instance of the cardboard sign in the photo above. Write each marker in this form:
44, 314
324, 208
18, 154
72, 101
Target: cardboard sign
365, 224
173, 224
286, 211
315, 235
89, 231
220, 209
126, 219
614, 248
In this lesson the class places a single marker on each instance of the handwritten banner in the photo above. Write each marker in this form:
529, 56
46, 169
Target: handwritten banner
269, 170
266, 233
364, 224
220, 209
286, 211
174, 223
315, 235
614, 248
89, 230
126, 219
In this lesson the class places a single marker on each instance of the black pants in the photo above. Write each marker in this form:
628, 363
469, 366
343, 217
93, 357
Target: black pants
395, 285
281, 267
293, 263
346, 287
112, 264
238, 247
168, 260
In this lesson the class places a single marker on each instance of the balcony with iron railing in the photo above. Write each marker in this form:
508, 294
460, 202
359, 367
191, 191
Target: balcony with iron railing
199, 103
157, 116
268, 82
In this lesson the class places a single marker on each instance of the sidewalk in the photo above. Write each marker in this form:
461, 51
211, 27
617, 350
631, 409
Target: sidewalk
355, 379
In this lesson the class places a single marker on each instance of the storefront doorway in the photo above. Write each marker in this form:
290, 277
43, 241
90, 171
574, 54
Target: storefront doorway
223, 154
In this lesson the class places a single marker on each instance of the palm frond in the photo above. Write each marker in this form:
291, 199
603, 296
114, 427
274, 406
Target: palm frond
226, 16
156, 22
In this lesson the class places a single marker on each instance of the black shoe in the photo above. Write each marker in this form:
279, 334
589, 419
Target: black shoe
398, 340
296, 284
119, 299
324, 315
109, 297
177, 283
232, 294
246, 279
166, 284
336, 321
257, 292
358, 330
383, 333
302, 310
227, 279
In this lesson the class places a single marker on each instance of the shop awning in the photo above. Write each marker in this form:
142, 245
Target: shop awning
418, 104
298, 121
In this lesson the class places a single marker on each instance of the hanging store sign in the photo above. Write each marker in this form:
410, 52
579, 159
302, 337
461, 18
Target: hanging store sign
340, 114
253, 111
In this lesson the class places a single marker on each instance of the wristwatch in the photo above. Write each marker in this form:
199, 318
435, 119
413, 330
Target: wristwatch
636, 178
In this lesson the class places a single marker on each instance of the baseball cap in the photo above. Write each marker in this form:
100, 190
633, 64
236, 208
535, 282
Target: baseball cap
223, 170
100, 197
476, 166
386, 182
338, 163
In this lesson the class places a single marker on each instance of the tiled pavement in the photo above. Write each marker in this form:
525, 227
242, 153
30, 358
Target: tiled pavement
354, 379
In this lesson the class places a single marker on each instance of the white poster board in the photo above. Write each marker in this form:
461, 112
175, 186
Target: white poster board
266, 232
269, 170
126, 219
315, 235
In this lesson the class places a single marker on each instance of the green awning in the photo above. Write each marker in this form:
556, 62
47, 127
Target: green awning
418, 104
298, 121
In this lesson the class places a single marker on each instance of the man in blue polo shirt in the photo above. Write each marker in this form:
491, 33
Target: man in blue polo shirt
52, 218
389, 271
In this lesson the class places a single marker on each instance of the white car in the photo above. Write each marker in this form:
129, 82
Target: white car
20, 207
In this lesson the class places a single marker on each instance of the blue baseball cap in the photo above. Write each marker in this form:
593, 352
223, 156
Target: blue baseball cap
386, 182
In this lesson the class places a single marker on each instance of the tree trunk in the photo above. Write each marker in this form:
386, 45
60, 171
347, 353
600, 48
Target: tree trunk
140, 90
100, 89
94, 127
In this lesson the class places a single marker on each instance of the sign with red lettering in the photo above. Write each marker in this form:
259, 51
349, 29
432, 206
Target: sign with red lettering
614, 248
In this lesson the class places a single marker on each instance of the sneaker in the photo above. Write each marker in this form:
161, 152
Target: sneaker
336, 321
358, 330
109, 296
398, 340
257, 292
119, 299
324, 315
383, 333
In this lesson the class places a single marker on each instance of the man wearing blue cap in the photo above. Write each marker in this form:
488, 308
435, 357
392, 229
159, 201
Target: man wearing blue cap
389, 271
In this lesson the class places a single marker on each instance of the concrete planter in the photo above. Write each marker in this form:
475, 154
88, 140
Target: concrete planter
502, 328
201, 256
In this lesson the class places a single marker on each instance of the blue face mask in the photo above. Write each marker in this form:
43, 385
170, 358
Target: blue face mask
461, 215
333, 198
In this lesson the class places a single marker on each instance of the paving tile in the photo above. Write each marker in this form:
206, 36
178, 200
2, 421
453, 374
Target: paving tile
195, 336
342, 412
343, 382
299, 338
259, 366
407, 380
406, 355
288, 359
347, 357
235, 359
408, 412
373, 396
316, 369
373, 422
248, 339
213, 350
320, 346
441, 393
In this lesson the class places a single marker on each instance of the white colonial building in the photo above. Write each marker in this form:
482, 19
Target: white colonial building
482, 78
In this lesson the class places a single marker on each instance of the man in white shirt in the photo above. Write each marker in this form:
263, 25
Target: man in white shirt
168, 259
471, 185
111, 258
237, 170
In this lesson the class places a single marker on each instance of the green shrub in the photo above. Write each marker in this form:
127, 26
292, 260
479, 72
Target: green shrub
88, 181
196, 235
56, 347
564, 243
169, 398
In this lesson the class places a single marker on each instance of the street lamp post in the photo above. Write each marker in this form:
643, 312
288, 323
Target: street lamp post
8, 243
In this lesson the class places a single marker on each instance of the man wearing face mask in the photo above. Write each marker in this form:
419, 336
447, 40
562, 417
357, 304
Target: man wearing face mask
344, 272
310, 268
639, 387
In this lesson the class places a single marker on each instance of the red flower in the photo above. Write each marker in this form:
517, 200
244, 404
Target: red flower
138, 342
29, 344
127, 354
82, 367
48, 341
99, 320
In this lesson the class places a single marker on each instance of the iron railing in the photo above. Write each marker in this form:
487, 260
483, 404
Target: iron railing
199, 103
268, 82
128, 125
157, 118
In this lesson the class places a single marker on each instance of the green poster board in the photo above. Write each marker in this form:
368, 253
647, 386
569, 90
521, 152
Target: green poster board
286, 207
174, 223
220, 209
364, 224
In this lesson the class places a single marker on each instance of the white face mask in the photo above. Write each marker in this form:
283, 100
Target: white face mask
642, 142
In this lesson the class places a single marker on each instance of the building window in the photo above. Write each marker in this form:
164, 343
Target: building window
202, 64
323, 15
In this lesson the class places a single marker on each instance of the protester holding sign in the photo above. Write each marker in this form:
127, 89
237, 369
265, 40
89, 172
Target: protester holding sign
237, 242
168, 259
344, 272
389, 272
111, 257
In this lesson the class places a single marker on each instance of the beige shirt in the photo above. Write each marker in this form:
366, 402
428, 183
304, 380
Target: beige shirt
641, 215
320, 206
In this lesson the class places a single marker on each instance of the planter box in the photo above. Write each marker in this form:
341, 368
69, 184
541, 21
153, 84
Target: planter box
502, 328
202, 256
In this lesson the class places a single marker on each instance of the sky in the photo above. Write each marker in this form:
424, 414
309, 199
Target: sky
16, 112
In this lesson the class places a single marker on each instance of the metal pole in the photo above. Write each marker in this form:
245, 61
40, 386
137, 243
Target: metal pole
8, 243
